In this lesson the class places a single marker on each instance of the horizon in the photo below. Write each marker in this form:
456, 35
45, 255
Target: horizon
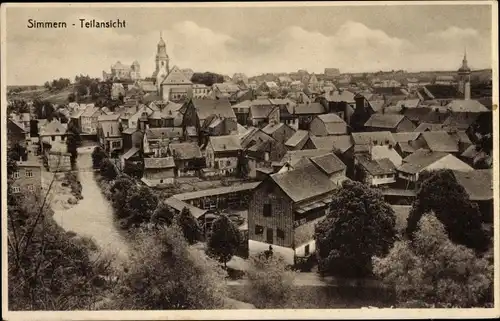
251, 40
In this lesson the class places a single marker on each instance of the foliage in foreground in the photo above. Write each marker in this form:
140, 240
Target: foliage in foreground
441, 194
165, 273
270, 282
431, 271
224, 241
360, 225
50, 269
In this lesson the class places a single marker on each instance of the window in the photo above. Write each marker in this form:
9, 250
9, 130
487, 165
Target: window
29, 173
31, 188
259, 230
228, 163
115, 144
16, 175
221, 163
267, 210
307, 249
53, 138
280, 234
16, 189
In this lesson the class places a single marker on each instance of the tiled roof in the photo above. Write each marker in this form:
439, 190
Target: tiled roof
381, 166
440, 141
217, 191
405, 136
408, 103
310, 108
261, 111
341, 142
470, 152
208, 107
365, 138
108, 117
340, 96
225, 143
377, 105
328, 163
271, 128
53, 128
427, 126
384, 151
471, 106
164, 132
420, 159
176, 77
129, 131
384, 120
292, 157
331, 118
477, 183
15, 126
304, 183
90, 111
299, 137
185, 150
458, 123
164, 162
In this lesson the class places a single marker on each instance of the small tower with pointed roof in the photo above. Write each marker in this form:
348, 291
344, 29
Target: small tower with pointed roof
464, 77
161, 60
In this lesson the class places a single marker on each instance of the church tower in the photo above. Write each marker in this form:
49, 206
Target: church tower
161, 61
464, 78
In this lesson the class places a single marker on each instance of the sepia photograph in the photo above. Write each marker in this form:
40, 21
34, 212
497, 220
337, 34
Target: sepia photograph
249, 160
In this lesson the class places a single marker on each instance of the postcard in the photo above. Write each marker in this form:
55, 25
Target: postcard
249, 160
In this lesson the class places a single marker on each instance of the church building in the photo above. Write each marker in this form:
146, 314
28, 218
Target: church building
464, 78
171, 83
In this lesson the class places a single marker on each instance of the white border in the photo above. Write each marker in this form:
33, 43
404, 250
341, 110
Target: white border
254, 314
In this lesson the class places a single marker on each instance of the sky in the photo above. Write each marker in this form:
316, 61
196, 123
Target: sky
252, 40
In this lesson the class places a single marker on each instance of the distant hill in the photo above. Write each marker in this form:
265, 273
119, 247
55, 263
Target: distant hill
42, 93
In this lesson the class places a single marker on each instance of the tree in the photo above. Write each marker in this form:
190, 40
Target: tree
98, 155
43, 109
140, 205
71, 97
162, 215
18, 106
224, 241
107, 169
270, 282
431, 271
134, 169
440, 193
360, 224
73, 140
48, 268
242, 168
189, 226
164, 274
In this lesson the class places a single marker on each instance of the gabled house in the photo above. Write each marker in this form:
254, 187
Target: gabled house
392, 122
222, 153
327, 125
406, 142
157, 140
218, 126
89, 119
297, 140
306, 112
285, 207
279, 131
109, 132
340, 102
426, 160
439, 141
158, 172
16, 134
52, 133
187, 157
262, 114
363, 142
196, 111
175, 86
328, 163
342, 144
381, 171
261, 151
